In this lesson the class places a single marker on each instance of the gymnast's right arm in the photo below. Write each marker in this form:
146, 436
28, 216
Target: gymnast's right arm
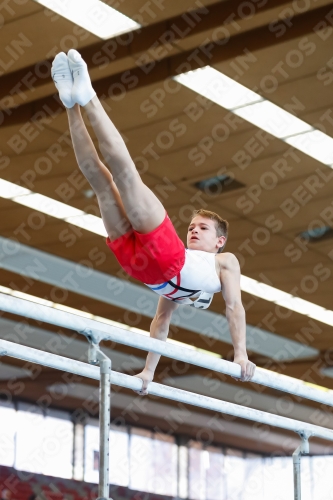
159, 329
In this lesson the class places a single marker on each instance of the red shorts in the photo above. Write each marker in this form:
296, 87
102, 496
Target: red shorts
152, 258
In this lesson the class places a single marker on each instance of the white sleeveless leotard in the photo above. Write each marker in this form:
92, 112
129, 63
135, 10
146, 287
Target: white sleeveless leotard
197, 279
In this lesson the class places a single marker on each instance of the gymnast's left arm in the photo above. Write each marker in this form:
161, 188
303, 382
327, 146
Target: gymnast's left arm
235, 312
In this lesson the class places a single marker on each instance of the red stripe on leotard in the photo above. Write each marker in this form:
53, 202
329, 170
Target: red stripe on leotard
175, 290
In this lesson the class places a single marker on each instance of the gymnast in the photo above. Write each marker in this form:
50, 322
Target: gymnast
140, 233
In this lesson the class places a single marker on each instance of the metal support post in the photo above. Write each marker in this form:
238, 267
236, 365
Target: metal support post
96, 356
301, 450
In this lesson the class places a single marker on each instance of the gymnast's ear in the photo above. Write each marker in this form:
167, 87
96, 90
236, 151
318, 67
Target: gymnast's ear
221, 243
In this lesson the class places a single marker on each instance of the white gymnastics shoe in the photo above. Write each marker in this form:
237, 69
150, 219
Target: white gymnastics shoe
82, 91
63, 79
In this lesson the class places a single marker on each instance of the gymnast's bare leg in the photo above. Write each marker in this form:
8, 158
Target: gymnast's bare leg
143, 209
136, 201
112, 210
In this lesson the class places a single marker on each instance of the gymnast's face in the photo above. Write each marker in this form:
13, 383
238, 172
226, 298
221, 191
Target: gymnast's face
202, 235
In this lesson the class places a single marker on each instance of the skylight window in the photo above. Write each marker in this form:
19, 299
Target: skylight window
93, 15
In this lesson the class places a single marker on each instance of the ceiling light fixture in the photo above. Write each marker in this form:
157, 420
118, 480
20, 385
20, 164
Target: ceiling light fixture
286, 300
218, 88
315, 144
262, 113
273, 119
54, 208
92, 15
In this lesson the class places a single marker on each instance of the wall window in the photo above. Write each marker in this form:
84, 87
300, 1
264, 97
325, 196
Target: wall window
307, 480
215, 476
197, 460
165, 465
141, 460
119, 460
322, 477
254, 478
79, 452
235, 474
153, 462
7, 434
29, 439
44, 444
91, 452
278, 478
57, 448
206, 472
183, 471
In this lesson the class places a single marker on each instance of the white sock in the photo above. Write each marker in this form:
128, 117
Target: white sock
63, 79
82, 91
